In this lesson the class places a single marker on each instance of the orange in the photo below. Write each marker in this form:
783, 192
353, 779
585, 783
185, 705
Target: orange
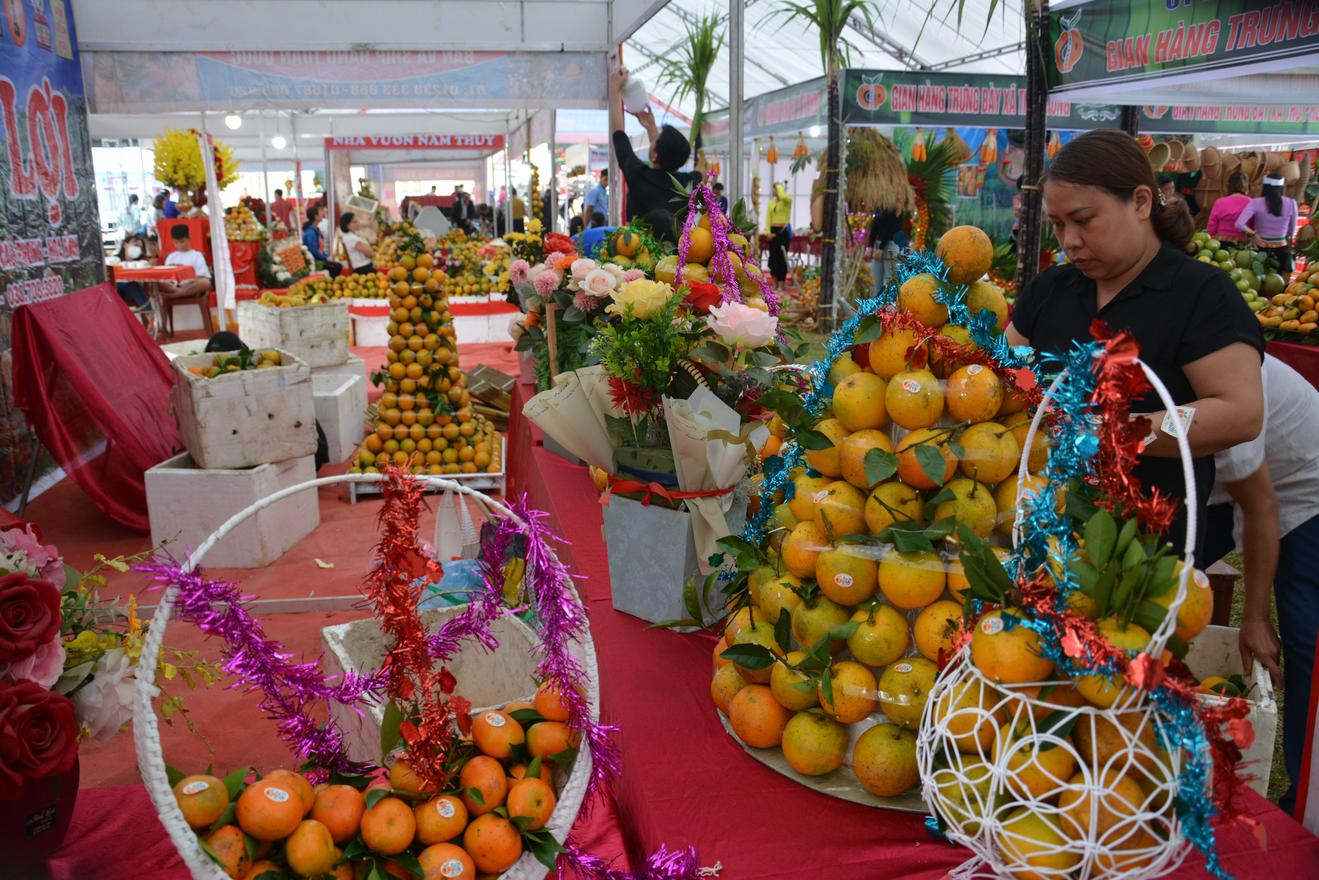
1037, 768
957, 582
801, 548
532, 799
757, 718
295, 782
845, 575
548, 738
1005, 499
813, 619
1049, 698
943, 364
985, 295
493, 842
881, 635
842, 368
1197, 608
969, 712
804, 490
911, 580
519, 771
725, 685
917, 296
230, 850
935, 628
840, 510
1039, 447
967, 252
446, 861
497, 734
895, 351
439, 819
852, 454
403, 778
858, 402
884, 760
1031, 841
339, 808
202, 799
268, 810
910, 468
990, 453
854, 692
389, 827
310, 850
482, 777
550, 703
891, 503
265, 866
814, 745
743, 618
904, 688
972, 505
780, 595
792, 689
974, 394
826, 461
914, 399
1104, 690
1085, 812
1008, 655
700, 247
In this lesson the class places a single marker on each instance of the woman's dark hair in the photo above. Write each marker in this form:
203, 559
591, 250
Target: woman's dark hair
159, 201
1112, 160
671, 149
224, 341
1237, 182
345, 219
1272, 198
313, 211
140, 243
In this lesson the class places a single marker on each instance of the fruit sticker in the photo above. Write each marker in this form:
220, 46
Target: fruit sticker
451, 868
820, 496
991, 626
843, 580
278, 795
494, 719
911, 386
197, 785
1067, 51
974, 370
445, 808
904, 668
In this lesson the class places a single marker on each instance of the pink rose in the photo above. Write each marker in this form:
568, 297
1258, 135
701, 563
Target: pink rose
44, 667
599, 283
615, 270
740, 325
546, 282
40, 560
582, 267
633, 275
518, 270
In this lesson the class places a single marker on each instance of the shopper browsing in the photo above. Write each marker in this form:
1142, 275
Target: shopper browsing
779, 218
1272, 217
595, 211
519, 212
282, 208
360, 255
315, 245
1223, 216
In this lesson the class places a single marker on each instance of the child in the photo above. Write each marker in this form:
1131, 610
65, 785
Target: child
184, 255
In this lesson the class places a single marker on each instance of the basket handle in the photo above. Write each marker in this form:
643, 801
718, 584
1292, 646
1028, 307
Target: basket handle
1158, 638
146, 726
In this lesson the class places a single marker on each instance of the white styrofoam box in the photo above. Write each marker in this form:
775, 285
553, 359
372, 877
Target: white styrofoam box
370, 330
188, 346
318, 334
354, 366
1216, 651
341, 410
247, 418
186, 504
483, 328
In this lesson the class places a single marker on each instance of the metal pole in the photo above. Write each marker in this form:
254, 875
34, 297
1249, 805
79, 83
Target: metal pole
508, 178
1130, 119
554, 169
612, 98
297, 174
733, 179
265, 176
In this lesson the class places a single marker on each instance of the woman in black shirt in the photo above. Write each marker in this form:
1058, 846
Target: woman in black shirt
1129, 268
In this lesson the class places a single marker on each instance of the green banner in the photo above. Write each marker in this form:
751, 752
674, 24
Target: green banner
1122, 42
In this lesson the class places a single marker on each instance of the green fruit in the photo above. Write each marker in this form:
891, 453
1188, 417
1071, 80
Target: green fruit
1222, 256
1205, 258
1245, 259
1243, 286
1273, 284
1213, 244
1251, 278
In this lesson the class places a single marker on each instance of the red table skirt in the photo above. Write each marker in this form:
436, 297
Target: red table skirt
1304, 359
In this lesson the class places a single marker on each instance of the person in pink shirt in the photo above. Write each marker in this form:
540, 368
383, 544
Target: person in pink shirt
1223, 217
1272, 216
282, 208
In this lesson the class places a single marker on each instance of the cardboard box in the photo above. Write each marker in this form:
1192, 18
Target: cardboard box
652, 555
1216, 652
340, 403
318, 335
247, 418
186, 504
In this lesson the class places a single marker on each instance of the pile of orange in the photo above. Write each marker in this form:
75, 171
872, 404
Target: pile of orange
501, 796
374, 285
425, 419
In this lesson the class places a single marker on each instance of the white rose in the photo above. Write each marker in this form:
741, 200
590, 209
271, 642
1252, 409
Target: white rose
105, 704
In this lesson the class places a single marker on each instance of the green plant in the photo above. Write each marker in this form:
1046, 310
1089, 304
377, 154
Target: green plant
688, 72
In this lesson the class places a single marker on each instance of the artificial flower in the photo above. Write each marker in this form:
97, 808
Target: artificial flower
613, 269
546, 281
641, 298
44, 667
105, 704
533, 226
29, 615
599, 283
561, 262
40, 560
581, 267
741, 325
701, 296
633, 274
557, 242
518, 271
585, 302
38, 735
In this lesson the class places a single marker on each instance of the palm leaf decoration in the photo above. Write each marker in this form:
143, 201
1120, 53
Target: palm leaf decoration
689, 72
931, 178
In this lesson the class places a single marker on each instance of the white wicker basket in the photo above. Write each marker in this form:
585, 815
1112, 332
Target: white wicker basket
976, 788
146, 729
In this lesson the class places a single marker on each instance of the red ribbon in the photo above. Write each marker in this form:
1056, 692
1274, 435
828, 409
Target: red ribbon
653, 489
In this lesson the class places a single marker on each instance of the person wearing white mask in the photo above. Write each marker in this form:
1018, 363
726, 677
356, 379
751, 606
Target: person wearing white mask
131, 292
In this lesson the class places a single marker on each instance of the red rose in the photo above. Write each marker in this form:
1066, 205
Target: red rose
38, 735
558, 243
29, 616
701, 296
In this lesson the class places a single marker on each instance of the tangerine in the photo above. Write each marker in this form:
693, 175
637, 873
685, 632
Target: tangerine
531, 799
881, 635
339, 808
935, 628
202, 799
389, 827
310, 850
295, 782
268, 810
757, 718
493, 842
792, 688
814, 745
483, 784
851, 693
439, 819
884, 760
230, 850
545, 739
497, 734
549, 702
913, 399
1007, 652
724, 686
446, 861
904, 688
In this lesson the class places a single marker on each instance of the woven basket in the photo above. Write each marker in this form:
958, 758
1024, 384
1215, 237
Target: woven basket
974, 791
146, 729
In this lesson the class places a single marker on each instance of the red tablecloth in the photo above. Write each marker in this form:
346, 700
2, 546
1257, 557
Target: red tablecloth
156, 274
685, 781
1304, 359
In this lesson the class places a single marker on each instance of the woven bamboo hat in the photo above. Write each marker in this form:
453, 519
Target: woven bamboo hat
1158, 156
1190, 158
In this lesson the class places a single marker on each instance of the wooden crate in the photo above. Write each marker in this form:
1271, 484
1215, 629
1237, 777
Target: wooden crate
318, 335
247, 418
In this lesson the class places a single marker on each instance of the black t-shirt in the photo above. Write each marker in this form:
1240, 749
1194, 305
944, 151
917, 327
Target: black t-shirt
648, 187
1178, 309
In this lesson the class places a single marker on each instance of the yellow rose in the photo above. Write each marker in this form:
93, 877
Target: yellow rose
533, 226
646, 297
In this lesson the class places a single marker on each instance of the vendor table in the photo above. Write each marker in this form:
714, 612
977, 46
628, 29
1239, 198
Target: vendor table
686, 782
151, 278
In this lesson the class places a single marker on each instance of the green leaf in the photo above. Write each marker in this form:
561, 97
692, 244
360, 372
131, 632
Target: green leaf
868, 330
691, 604
526, 717
355, 849
747, 555
1078, 507
522, 823
533, 769
749, 656
1163, 578
376, 795
475, 794
879, 465
544, 847
1058, 723
390, 725
249, 845
1124, 537
908, 540
783, 631
1100, 538
809, 438
983, 569
844, 631
271, 874
226, 818
1104, 590
206, 848
1087, 576
1148, 615
174, 775
932, 463
572, 315
827, 685
408, 862
233, 783
376, 872
1134, 555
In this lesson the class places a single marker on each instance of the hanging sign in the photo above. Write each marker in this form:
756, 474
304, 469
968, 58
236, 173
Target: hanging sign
1123, 42
484, 142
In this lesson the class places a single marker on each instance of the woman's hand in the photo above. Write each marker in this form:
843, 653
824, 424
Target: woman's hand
1257, 241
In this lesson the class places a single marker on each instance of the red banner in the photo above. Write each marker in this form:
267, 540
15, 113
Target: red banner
487, 142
